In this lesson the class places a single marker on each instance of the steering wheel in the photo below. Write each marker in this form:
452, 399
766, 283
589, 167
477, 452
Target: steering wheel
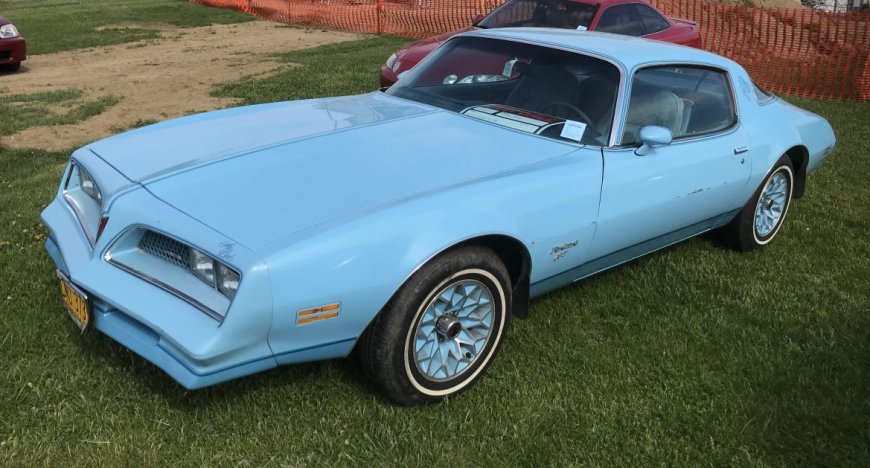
556, 105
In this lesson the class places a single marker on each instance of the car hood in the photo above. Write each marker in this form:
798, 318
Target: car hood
411, 54
314, 162
176, 145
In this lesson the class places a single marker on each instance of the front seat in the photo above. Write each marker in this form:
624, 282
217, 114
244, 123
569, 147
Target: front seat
651, 106
543, 85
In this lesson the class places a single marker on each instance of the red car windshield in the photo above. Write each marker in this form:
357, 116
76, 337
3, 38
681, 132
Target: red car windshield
566, 14
521, 86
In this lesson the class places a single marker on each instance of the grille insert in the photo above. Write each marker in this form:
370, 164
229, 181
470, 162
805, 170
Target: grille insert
165, 248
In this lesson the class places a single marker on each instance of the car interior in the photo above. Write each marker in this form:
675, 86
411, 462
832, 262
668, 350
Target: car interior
552, 83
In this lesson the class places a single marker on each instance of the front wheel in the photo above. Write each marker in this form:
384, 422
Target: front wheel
439, 333
763, 215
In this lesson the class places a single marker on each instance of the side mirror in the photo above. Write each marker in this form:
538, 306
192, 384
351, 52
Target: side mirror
651, 136
477, 19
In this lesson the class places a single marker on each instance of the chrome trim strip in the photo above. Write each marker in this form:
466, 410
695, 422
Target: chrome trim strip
72, 167
156, 282
685, 139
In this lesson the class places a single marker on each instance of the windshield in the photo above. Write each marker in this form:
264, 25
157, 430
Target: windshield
525, 87
566, 14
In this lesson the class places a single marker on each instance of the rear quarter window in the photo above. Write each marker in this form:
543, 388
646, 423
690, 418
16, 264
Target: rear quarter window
762, 95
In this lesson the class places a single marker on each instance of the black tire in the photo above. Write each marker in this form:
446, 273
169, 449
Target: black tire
385, 349
12, 67
741, 233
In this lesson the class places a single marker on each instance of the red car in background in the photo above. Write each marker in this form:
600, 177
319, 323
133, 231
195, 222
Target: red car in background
13, 48
629, 17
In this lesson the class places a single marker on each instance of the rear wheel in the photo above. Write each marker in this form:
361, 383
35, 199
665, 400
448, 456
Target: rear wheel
441, 330
762, 216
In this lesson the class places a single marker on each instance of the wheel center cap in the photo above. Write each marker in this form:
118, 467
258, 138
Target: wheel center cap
448, 326
768, 204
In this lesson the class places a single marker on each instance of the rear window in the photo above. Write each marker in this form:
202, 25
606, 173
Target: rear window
565, 14
652, 20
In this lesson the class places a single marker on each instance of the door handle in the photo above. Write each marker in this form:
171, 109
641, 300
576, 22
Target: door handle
741, 150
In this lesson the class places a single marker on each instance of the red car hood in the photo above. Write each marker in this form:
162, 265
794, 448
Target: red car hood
413, 53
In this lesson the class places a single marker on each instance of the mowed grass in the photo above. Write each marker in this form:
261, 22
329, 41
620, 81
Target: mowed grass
68, 27
336, 69
49, 108
696, 355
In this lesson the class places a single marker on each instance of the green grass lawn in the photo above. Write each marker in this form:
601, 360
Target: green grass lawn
56, 29
692, 356
49, 108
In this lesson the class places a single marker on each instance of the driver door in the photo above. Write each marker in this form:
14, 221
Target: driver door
677, 190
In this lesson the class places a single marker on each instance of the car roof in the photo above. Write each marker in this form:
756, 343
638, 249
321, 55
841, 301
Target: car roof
607, 3
629, 51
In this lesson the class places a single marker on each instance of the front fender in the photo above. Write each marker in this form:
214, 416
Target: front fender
361, 263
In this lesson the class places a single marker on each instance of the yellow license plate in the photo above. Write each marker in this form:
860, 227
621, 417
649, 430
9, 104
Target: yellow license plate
76, 302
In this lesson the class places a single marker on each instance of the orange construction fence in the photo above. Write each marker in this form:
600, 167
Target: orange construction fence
792, 51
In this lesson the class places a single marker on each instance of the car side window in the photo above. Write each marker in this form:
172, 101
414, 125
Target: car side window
653, 22
687, 100
621, 19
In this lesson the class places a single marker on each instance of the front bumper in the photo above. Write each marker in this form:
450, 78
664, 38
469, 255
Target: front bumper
13, 50
194, 349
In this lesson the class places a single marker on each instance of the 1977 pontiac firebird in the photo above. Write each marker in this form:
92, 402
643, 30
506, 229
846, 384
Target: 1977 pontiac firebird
412, 223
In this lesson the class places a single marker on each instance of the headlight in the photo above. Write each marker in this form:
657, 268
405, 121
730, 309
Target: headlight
393, 63
214, 273
87, 184
202, 266
8, 31
227, 281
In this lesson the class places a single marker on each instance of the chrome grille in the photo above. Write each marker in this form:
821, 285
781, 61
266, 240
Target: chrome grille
165, 248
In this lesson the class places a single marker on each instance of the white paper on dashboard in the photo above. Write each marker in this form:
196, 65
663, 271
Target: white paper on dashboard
573, 130
581, 28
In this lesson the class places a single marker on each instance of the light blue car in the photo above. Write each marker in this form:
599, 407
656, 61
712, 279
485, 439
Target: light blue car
410, 224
